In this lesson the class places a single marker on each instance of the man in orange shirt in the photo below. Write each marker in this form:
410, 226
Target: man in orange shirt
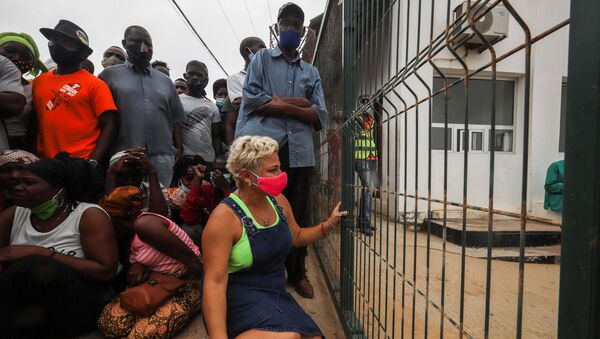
76, 111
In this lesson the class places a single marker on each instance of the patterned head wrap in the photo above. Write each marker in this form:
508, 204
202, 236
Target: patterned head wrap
17, 156
123, 202
27, 40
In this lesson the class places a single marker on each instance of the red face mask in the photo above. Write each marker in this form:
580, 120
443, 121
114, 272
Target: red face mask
272, 185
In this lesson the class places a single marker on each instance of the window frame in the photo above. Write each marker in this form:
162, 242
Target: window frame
487, 129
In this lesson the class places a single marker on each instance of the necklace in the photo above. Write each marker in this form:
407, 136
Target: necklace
265, 220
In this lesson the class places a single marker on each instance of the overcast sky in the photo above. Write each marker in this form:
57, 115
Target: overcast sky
105, 21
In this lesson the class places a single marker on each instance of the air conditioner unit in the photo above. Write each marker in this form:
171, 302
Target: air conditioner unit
493, 26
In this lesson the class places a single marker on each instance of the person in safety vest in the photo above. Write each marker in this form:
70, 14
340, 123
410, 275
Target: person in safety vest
365, 164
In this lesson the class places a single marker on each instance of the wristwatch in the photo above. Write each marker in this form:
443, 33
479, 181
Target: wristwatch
93, 162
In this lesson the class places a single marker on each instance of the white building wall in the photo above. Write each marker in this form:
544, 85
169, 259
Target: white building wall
548, 67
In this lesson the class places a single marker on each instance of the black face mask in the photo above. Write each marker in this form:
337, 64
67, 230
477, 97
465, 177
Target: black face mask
197, 84
135, 52
62, 56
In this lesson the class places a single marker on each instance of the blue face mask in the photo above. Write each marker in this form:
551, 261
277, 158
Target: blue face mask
289, 39
220, 103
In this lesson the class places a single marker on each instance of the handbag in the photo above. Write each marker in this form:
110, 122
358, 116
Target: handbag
145, 298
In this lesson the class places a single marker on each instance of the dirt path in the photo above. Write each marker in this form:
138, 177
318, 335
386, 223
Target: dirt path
379, 290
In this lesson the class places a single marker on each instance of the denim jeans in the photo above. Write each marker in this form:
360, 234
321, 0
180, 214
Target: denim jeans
366, 170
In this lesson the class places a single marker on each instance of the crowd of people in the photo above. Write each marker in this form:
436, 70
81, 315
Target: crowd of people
112, 181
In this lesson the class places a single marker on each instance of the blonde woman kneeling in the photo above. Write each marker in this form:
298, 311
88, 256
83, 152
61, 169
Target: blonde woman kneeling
246, 242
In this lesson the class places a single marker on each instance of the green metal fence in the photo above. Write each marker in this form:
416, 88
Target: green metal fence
468, 102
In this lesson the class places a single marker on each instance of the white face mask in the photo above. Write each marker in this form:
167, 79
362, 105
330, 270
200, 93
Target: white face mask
184, 188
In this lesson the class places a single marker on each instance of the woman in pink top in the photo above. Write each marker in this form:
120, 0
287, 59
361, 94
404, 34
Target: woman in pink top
160, 246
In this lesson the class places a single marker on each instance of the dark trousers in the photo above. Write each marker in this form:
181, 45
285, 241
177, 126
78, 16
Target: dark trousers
296, 192
42, 298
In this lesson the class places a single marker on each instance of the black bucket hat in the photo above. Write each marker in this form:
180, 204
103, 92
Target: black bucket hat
290, 7
66, 28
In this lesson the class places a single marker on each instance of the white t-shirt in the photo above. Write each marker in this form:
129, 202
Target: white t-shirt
65, 238
235, 85
196, 129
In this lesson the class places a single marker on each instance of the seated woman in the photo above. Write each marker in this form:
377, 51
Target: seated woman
245, 244
131, 171
58, 254
160, 246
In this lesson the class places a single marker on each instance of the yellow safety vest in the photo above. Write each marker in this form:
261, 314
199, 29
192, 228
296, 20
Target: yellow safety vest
364, 143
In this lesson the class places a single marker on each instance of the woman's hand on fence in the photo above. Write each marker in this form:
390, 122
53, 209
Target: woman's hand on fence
335, 216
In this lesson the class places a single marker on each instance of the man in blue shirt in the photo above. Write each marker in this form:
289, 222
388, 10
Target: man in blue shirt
149, 108
283, 99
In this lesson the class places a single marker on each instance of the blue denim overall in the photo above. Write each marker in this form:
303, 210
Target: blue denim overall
256, 297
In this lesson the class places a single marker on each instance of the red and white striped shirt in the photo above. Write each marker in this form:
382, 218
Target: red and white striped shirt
155, 260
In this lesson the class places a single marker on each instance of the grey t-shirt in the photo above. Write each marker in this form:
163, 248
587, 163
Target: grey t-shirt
10, 81
196, 130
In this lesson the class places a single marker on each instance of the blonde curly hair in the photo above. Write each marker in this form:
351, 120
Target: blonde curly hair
247, 152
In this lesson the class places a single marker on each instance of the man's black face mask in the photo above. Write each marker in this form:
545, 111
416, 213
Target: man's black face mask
140, 52
62, 56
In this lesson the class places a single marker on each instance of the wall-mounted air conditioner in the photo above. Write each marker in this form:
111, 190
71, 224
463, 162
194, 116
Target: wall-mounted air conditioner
493, 26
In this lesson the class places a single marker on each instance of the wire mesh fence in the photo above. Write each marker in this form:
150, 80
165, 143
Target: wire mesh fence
445, 116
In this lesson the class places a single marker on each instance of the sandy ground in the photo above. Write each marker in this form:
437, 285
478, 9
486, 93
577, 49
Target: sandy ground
321, 308
384, 301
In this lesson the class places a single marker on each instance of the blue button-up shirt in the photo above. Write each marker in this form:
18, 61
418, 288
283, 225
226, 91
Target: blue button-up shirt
270, 74
148, 107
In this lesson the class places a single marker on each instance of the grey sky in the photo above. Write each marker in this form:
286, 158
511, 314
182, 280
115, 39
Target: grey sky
105, 21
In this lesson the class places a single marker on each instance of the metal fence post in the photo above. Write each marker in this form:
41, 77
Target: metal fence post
579, 302
347, 248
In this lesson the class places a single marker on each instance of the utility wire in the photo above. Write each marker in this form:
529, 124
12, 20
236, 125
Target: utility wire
270, 11
250, 16
199, 37
228, 22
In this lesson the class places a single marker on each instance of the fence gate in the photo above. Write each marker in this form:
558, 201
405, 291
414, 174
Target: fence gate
444, 124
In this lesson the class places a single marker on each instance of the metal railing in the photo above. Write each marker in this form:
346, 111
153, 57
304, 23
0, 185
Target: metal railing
459, 114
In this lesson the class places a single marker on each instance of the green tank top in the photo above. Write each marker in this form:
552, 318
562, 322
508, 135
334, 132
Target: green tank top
240, 257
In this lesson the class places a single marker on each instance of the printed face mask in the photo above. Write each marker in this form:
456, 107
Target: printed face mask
272, 185
197, 83
23, 66
46, 209
140, 51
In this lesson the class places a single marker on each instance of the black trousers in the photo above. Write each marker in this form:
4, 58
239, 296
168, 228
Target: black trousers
42, 298
296, 192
